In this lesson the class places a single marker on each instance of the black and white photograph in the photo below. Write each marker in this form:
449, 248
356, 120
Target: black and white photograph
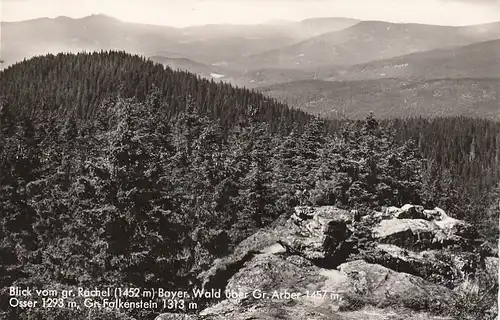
249, 159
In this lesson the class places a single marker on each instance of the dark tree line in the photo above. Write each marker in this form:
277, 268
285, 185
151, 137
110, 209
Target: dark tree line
463, 164
148, 190
470, 147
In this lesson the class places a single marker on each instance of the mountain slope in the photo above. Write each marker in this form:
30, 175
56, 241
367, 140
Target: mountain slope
368, 41
264, 77
301, 29
316, 26
479, 60
393, 98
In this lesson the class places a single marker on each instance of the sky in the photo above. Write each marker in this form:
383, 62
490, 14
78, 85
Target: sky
181, 13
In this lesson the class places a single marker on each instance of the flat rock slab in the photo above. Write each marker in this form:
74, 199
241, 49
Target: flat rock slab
423, 264
271, 273
279, 278
318, 291
413, 234
387, 287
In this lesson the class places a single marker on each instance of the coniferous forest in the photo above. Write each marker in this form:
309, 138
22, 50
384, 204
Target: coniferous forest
117, 171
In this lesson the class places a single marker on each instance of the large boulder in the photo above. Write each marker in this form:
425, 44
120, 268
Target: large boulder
274, 286
313, 233
224, 268
385, 287
317, 233
412, 234
422, 264
436, 231
449, 225
297, 289
272, 273
444, 267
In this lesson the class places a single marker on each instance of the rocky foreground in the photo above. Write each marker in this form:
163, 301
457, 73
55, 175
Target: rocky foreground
327, 263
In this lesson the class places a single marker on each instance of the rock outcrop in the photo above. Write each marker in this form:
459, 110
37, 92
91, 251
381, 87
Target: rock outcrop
423, 264
270, 281
414, 228
311, 266
318, 233
320, 293
387, 287
412, 234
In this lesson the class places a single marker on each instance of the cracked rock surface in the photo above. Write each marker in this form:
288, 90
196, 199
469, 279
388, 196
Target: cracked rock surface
311, 265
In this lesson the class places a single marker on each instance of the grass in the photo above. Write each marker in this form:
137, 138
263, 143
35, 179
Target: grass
477, 298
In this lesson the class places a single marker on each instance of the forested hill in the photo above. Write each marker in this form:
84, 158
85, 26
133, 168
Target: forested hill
78, 83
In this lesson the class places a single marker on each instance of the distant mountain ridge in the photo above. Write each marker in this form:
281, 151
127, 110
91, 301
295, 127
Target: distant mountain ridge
207, 44
368, 41
478, 60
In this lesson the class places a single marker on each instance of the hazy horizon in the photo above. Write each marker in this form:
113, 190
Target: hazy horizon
203, 12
